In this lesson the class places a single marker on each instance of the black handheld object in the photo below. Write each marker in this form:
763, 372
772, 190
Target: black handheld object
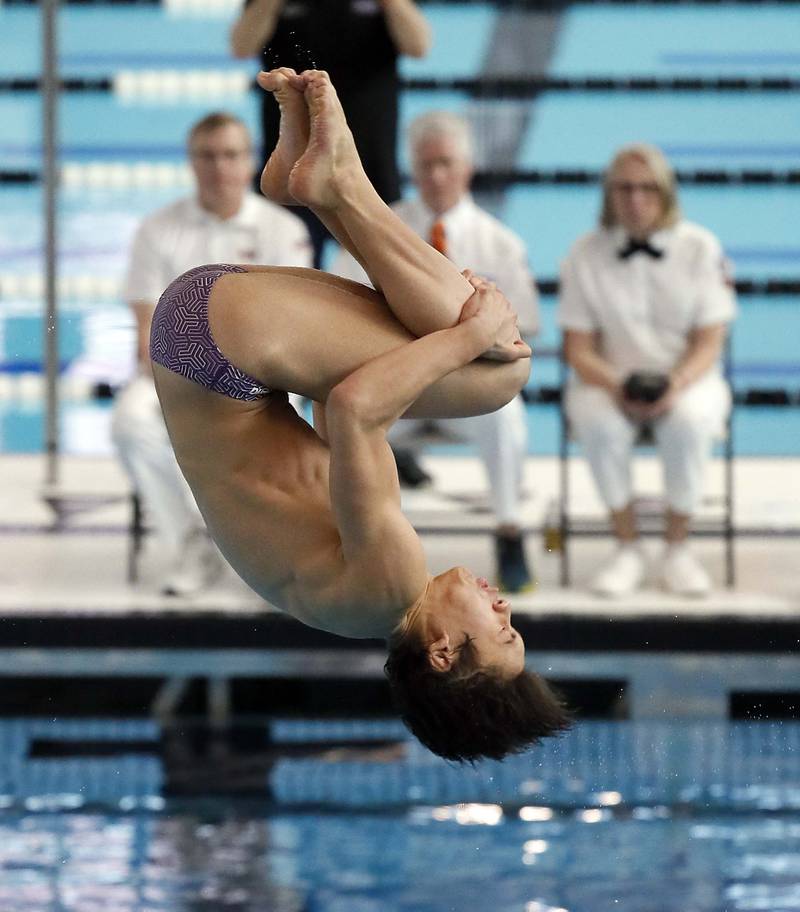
645, 386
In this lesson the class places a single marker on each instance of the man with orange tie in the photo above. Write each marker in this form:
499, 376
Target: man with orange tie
444, 212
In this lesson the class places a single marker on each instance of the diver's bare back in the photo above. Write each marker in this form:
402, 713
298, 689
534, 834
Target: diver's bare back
259, 473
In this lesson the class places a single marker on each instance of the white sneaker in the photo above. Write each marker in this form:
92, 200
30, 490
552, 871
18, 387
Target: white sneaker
682, 573
197, 566
623, 573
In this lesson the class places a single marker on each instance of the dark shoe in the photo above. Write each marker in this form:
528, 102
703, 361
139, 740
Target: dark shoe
409, 471
512, 569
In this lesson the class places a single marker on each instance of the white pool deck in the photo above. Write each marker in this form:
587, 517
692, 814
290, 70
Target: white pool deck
81, 570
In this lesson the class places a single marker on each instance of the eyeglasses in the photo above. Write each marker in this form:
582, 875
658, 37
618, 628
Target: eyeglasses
207, 157
628, 188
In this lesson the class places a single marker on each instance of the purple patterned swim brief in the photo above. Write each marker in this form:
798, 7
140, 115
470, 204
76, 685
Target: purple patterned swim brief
181, 340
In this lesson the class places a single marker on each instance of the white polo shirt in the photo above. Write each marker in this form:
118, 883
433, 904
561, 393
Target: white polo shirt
475, 240
645, 308
184, 235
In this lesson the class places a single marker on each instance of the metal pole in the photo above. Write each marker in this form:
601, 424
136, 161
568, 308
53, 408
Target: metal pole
50, 90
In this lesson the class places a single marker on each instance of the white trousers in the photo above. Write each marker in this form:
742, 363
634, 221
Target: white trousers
501, 439
140, 436
684, 437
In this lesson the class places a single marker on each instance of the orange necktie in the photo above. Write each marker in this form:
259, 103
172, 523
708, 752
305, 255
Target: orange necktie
438, 240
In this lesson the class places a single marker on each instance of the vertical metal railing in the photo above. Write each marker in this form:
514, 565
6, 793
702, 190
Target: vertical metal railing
50, 92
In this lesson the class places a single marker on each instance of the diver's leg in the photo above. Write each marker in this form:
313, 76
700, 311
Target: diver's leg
303, 331
423, 289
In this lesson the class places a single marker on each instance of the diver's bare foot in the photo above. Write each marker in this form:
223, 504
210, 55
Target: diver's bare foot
330, 162
287, 87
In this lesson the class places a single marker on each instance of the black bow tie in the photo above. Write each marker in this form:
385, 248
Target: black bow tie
639, 247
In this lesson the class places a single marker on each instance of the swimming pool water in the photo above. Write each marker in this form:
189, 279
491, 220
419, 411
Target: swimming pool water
568, 827
646, 860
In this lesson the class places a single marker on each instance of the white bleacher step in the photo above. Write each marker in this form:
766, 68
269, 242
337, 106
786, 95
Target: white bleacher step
125, 176
81, 287
170, 87
202, 8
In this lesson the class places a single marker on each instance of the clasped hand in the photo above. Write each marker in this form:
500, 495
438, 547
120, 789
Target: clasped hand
641, 412
494, 317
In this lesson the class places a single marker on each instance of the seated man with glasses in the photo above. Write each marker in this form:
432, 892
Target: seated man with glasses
223, 220
645, 302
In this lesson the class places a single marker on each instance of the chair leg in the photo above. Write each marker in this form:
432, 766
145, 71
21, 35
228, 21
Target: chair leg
563, 498
563, 540
730, 562
730, 532
135, 535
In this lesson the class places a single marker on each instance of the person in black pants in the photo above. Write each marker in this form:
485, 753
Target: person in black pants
358, 42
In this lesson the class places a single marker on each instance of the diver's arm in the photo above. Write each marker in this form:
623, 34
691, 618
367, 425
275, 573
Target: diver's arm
377, 540
383, 389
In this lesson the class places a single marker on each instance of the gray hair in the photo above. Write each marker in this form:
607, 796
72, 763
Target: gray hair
663, 177
437, 124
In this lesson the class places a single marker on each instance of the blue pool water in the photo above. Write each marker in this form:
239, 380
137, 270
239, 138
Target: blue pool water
648, 861
641, 817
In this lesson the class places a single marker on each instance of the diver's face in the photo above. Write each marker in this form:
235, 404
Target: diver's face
441, 172
466, 605
636, 198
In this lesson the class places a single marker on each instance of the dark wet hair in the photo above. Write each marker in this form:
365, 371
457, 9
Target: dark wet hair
470, 712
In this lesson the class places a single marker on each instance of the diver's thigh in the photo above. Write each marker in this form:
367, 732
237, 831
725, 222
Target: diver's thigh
476, 389
303, 331
297, 331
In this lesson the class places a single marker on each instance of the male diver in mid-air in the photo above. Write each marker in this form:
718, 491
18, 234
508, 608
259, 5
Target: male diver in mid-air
311, 518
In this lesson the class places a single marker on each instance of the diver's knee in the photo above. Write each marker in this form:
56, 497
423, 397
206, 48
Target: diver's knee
507, 382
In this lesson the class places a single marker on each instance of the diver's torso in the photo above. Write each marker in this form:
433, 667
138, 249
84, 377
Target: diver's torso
259, 474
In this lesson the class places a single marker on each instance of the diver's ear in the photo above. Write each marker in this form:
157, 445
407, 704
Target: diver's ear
440, 655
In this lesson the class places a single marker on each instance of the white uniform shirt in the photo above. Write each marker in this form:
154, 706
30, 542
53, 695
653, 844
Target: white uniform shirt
184, 235
645, 308
475, 240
